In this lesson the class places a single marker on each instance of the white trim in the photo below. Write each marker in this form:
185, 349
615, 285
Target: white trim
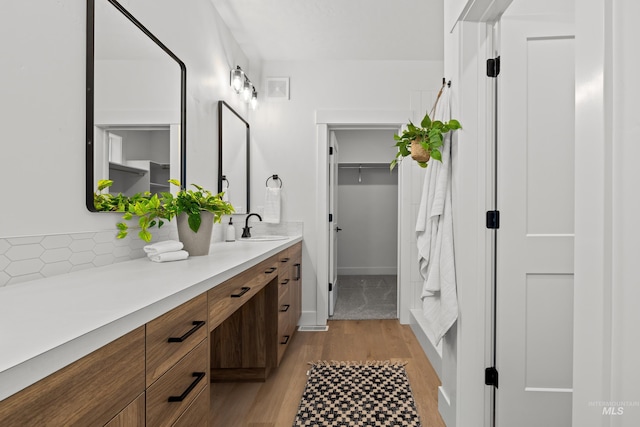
433, 352
327, 120
447, 412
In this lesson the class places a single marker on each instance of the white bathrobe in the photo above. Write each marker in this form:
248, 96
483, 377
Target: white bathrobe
434, 230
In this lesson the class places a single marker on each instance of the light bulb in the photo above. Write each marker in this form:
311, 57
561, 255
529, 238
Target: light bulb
247, 91
254, 100
237, 79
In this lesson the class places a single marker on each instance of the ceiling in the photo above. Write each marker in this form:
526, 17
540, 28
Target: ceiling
273, 30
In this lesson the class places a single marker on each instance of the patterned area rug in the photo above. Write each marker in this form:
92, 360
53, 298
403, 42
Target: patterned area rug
368, 394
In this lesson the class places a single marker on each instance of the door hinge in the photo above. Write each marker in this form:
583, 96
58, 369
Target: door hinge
330, 217
330, 151
493, 220
491, 376
330, 287
493, 67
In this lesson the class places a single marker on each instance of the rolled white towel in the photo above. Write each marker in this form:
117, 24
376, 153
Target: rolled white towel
162, 247
169, 256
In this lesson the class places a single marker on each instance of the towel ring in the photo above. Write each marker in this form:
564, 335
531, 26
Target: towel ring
275, 178
224, 178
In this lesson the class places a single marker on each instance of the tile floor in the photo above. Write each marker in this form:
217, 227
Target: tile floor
366, 297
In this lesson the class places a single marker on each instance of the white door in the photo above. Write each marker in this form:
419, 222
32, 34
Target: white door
333, 226
535, 198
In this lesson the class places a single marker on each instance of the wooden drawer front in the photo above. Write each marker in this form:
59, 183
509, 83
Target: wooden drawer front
131, 416
181, 381
89, 392
221, 302
285, 261
284, 332
185, 326
197, 414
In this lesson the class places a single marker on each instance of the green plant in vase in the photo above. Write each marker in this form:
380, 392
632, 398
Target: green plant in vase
423, 142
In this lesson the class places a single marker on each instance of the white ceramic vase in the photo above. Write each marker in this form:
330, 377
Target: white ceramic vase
196, 244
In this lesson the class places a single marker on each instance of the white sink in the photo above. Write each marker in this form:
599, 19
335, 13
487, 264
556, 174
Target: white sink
264, 238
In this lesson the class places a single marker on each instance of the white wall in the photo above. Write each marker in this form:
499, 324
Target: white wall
42, 108
42, 115
368, 240
285, 131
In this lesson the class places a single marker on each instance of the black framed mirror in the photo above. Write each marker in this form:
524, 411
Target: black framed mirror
135, 105
233, 157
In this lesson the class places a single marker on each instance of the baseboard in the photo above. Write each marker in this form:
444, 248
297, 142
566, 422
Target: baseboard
307, 318
444, 407
367, 271
434, 353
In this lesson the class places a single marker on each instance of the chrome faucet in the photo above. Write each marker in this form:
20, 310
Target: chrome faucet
246, 230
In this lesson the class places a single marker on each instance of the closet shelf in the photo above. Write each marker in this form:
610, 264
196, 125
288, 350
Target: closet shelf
363, 165
128, 169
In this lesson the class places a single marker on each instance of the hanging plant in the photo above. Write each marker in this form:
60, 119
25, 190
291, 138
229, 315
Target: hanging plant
424, 142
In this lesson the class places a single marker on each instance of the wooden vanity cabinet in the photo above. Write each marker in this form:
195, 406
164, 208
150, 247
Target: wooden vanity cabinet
243, 336
177, 364
90, 392
251, 330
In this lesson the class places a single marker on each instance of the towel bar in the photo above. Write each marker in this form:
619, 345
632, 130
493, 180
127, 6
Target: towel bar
275, 178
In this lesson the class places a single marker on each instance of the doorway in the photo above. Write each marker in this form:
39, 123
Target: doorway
365, 225
331, 120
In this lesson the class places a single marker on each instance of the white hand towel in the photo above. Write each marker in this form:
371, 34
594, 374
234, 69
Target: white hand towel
169, 256
272, 206
162, 247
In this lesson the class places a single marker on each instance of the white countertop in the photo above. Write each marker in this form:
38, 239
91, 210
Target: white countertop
50, 323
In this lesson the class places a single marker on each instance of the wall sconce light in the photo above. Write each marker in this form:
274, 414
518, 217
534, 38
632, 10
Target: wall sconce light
241, 84
254, 99
237, 79
247, 90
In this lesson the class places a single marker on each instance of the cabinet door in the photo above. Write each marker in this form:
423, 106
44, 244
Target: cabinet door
131, 416
89, 392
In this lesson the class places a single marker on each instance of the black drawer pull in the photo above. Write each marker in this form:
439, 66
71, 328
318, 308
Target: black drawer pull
286, 339
270, 270
243, 290
197, 324
284, 282
284, 308
297, 275
193, 385
284, 260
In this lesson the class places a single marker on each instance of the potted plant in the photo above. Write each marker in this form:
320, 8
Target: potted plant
196, 211
424, 142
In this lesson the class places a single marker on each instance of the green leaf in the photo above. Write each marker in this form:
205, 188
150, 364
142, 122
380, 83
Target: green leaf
393, 164
454, 124
194, 222
175, 182
121, 234
121, 226
426, 121
422, 164
104, 183
436, 155
145, 235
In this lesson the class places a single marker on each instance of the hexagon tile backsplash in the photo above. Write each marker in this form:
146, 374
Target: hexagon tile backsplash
34, 257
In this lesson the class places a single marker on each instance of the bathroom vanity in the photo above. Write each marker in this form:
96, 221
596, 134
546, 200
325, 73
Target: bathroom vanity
137, 343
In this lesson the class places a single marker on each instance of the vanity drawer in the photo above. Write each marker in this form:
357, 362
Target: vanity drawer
174, 334
223, 303
89, 392
285, 260
172, 394
197, 414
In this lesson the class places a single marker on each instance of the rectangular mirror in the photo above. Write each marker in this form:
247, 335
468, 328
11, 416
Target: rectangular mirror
136, 105
233, 157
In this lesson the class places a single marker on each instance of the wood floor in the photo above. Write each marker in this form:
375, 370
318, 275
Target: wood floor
274, 403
